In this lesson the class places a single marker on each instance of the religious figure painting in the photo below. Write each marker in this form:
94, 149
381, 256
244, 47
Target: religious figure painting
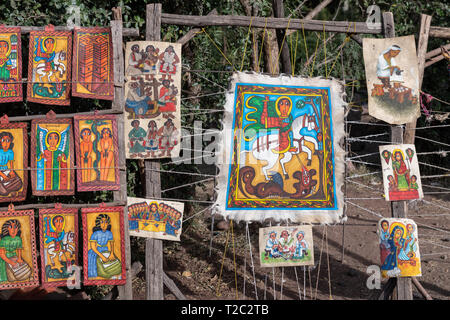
97, 152
58, 230
49, 63
280, 155
52, 155
13, 160
152, 93
401, 176
286, 246
18, 265
93, 73
392, 79
399, 248
104, 247
10, 65
155, 219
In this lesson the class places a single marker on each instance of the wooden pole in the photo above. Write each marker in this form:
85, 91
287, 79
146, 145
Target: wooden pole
278, 12
440, 32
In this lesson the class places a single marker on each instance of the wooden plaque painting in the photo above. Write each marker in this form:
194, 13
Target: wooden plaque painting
392, 77
13, 160
280, 154
152, 105
49, 66
93, 73
155, 218
103, 246
401, 175
399, 248
18, 263
58, 231
97, 152
10, 65
286, 246
52, 156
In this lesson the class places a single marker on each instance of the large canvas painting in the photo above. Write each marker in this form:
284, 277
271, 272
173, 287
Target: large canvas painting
49, 66
10, 65
52, 155
152, 105
155, 218
280, 155
392, 78
401, 176
103, 246
18, 265
13, 160
286, 246
399, 248
97, 152
93, 73
58, 230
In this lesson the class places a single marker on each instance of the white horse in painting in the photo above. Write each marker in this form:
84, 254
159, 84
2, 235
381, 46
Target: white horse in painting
64, 253
262, 146
59, 66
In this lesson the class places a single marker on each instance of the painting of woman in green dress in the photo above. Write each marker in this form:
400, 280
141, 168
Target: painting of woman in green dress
401, 171
137, 139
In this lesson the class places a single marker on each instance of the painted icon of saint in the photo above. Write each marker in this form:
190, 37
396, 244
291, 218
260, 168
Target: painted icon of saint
9, 180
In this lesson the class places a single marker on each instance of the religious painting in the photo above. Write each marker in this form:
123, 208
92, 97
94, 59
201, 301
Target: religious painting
13, 160
104, 247
18, 265
401, 176
10, 65
155, 218
52, 156
286, 246
152, 99
280, 155
49, 63
97, 152
392, 78
399, 248
58, 230
93, 73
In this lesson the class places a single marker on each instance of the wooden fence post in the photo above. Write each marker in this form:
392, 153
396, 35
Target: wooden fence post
278, 12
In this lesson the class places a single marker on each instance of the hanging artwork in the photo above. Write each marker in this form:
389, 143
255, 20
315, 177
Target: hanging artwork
280, 155
392, 79
18, 265
286, 246
52, 156
13, 160
97, 152
155, 218
49, 63
401, 176
93, 73
152, 105
399, 248
104, 247
10, 65
58, 230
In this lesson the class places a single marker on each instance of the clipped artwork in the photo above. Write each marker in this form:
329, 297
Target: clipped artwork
10, 65
280, 155
93, 73
58, 230
18, 265
52, 155
103, 246
155, 219
49, 66
152, 99
399, 248
401, 176
392, 77
13, 160
97, 152
286, 246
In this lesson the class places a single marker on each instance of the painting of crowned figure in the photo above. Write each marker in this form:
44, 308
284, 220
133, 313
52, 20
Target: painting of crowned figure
155, 219
103, 241
286, 246
10, 64
401, 176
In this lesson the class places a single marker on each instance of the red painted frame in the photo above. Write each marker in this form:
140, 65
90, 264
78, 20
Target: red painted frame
19, 63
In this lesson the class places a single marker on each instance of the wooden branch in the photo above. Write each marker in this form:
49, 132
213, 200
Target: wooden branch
173, 287
193, 32
65, 115
421, 289
387, 289
127, 32
440, 32
63, 205
436, 52
314, 12
434, 60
